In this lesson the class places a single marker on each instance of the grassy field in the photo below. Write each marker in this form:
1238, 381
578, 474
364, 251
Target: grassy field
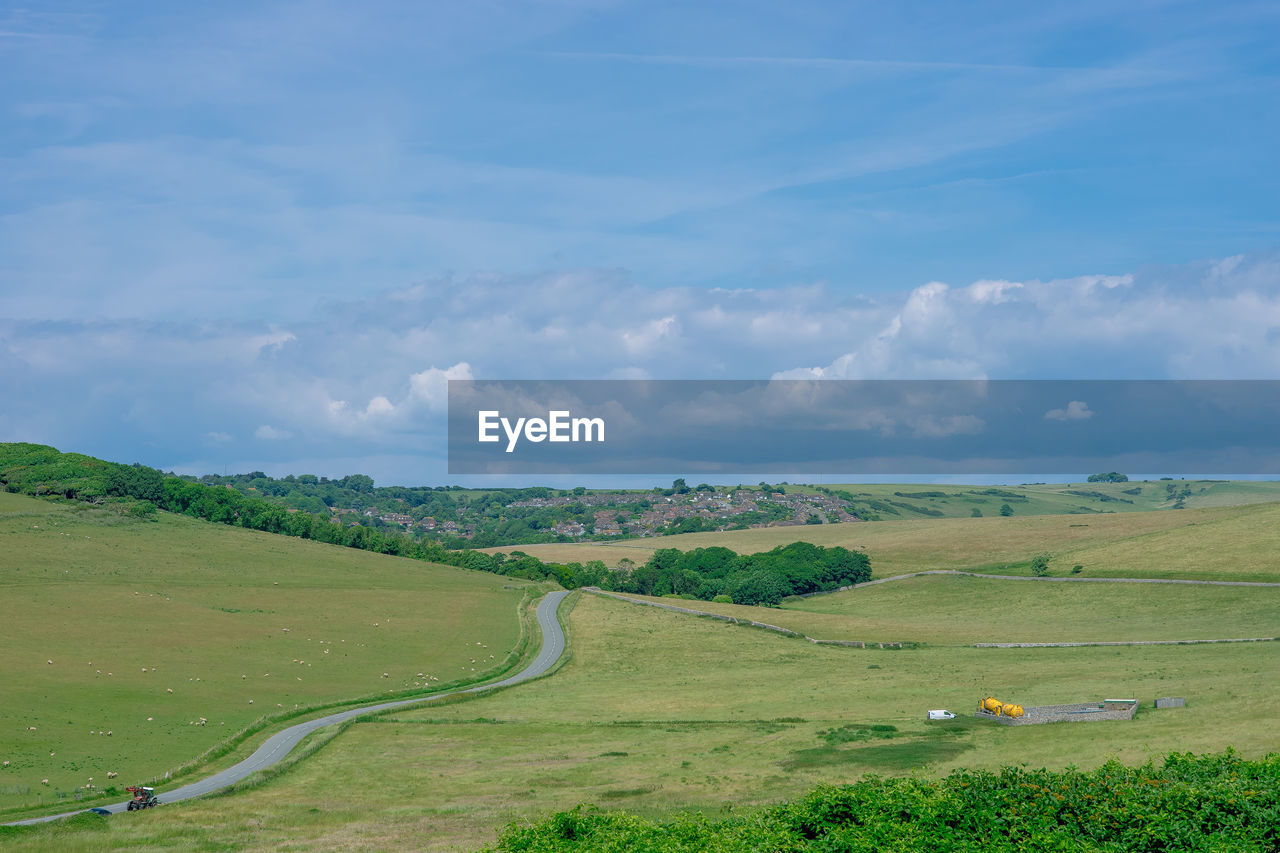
658, 712
1218, 543
121, 635
959, 610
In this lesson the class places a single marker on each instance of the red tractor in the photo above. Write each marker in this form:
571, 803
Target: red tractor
143, 798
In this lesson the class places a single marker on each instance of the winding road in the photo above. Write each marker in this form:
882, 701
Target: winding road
281, 743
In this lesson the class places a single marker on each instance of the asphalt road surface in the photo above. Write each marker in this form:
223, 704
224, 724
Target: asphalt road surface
281, 743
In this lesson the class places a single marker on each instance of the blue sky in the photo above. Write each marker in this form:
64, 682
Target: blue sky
262, 235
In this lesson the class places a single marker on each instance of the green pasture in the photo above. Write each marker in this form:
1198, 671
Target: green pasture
122, 635
658, 712
962, 610
1217, 543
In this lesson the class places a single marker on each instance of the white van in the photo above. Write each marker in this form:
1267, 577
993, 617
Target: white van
941, 715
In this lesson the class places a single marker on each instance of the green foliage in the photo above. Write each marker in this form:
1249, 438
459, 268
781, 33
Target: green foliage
1109, 477
855, 732
1040, 565
1006, 510
759, 579
1208, 802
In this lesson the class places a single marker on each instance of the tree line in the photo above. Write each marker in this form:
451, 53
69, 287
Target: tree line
704, 573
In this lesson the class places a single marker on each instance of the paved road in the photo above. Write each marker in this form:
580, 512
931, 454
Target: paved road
279, 745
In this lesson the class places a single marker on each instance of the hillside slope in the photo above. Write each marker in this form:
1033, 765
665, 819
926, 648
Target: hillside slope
133, 645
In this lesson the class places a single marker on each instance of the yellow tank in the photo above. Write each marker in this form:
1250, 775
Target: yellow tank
991, 704
1010, 710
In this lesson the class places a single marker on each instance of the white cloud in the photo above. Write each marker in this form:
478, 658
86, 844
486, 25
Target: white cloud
431, 386
267, 432
642, 340
1076, 410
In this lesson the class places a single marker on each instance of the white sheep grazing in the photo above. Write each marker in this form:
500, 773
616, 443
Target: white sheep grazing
170, 689
50, 663
111, 774
44, 781
108, 734
6, 764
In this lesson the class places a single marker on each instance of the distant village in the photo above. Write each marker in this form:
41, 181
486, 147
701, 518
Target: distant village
637, 514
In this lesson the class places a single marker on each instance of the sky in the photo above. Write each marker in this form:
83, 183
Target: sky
243, 236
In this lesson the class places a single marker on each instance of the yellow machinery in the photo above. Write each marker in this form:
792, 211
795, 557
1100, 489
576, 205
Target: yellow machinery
993, 705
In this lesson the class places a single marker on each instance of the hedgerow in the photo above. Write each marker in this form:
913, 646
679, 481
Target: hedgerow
1214, 803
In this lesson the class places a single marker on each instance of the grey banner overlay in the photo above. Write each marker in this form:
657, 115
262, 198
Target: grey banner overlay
863, 426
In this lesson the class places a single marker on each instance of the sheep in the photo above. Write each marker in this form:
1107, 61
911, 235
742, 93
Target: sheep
111, 774
44, 781
50, 663
31, 728
169, 689
108, 733
6, 764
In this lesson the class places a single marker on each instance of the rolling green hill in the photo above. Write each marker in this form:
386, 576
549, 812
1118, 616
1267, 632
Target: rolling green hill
133, 646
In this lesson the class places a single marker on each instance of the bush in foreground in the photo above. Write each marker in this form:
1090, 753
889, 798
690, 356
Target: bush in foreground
1193, 803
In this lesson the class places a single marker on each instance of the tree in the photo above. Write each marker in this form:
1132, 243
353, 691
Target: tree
1109, 477
679, 486
1006, 510
976, 513
357, 483
1040, 565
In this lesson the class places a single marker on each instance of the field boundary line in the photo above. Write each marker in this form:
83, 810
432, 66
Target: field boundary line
749, 623
1031, 578
1123, 643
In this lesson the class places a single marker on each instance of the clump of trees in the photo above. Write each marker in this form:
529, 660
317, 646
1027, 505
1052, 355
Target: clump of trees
757, 579
1109, 477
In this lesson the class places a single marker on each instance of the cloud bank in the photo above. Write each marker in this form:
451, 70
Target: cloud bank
365, 379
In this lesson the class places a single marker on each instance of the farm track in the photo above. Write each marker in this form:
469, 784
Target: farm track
280, 744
